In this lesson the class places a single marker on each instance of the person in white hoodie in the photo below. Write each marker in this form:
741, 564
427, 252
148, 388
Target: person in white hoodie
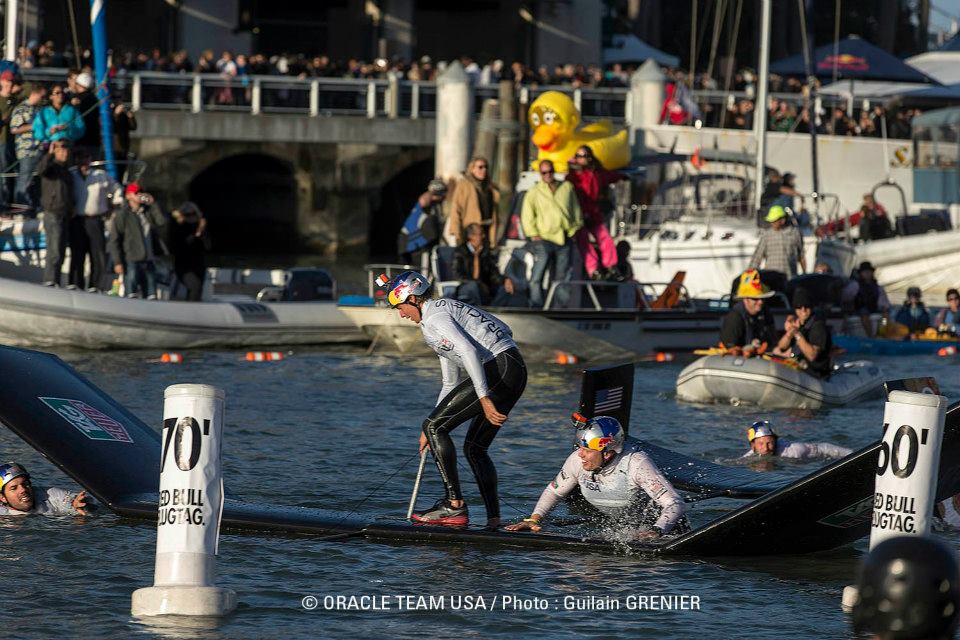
765, 442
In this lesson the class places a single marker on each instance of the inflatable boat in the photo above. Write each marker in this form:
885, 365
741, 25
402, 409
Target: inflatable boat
34, 315
773, 385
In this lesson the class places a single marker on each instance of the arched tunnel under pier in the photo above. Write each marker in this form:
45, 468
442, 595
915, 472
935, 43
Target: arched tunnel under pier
250, 201
283, 198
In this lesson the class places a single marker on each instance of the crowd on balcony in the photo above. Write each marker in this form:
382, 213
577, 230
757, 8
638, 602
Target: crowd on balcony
732, 107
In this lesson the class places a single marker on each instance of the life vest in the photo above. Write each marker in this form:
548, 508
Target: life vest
421, 229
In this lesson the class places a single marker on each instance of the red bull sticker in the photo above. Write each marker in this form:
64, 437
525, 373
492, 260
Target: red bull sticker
845, 62
91, 422
600, 443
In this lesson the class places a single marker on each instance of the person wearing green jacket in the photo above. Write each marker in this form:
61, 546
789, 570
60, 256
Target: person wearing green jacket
550, 218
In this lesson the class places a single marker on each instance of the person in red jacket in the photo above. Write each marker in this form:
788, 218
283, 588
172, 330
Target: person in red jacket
590, 180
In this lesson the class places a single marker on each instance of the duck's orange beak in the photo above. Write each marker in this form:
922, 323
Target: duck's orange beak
545, 137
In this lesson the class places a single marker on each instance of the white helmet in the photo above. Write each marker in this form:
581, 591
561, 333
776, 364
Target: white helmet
408, 283
601, 433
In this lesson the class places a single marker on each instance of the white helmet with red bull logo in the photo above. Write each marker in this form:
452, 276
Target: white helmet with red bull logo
10, 471
601, 433
404, 285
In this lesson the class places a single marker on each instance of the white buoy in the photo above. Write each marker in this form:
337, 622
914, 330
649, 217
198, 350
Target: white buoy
190, 505
909, 465
907, 470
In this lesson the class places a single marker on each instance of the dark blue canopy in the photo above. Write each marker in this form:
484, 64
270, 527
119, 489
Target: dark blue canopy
945, 92
953, 44
855, 59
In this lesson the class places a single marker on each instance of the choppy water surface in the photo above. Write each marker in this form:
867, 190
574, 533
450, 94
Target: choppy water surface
324, 428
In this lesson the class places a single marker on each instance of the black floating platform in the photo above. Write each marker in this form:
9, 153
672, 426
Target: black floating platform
116, 457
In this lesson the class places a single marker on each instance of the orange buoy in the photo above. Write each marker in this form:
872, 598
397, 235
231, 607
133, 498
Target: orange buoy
263, 356
664, 356
947, 351
562, 357
171, 358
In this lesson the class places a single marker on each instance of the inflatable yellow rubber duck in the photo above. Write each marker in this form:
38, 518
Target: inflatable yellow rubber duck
554, 119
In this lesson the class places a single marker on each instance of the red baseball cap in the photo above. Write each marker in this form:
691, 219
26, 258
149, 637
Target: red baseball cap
133, 187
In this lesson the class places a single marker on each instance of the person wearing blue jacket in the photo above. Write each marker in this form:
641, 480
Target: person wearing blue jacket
913, 313
58, 120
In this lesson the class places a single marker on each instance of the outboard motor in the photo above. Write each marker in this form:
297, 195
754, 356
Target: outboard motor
303, 284
308, 283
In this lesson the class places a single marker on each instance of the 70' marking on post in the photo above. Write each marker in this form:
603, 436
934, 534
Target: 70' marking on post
174, 430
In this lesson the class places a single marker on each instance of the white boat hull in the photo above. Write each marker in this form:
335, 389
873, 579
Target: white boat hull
766, 384
37, 316
930, 261
585, 334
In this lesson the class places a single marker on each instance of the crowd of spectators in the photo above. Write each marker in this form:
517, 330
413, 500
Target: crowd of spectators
784, 114
733, 109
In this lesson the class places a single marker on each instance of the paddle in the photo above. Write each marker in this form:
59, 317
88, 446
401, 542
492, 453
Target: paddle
416, 484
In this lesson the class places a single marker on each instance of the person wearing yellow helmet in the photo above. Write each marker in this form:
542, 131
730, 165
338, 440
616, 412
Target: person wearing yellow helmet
616, 477
19, 497
780, 247
748, 325
474, 341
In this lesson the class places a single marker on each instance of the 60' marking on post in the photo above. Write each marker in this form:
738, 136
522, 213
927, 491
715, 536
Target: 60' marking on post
890, 453
174, 430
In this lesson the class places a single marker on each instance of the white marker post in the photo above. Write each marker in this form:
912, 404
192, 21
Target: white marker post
191, 502
907, 470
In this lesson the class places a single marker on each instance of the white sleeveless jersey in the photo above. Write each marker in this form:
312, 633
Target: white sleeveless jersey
618, 485
463, 337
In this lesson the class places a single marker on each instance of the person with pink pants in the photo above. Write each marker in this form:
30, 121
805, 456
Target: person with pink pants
589, 180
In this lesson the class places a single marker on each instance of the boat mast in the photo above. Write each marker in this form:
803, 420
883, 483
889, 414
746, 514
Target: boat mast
98, 24
806, 24
11, 30
760, 105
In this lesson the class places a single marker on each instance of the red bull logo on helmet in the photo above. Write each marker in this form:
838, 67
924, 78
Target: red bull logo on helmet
399, 294
600, 444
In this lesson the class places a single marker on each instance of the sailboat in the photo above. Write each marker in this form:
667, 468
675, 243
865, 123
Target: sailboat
711, 233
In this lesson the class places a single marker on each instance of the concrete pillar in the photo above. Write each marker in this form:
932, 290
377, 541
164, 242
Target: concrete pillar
507, 148
647, 93
454, 107
393, 95
486, 140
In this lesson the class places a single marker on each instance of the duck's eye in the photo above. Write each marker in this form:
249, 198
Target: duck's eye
535, 119
549, 117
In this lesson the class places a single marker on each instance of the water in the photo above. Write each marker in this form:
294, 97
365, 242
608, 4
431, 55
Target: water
323, 428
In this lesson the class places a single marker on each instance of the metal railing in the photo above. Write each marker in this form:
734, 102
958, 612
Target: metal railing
317, 97
391, 97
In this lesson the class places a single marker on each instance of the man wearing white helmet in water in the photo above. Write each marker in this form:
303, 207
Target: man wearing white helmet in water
480, 344
18, 496
765, 442
615, 476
